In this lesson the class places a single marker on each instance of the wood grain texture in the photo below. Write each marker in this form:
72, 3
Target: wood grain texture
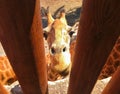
25, 51
98, 31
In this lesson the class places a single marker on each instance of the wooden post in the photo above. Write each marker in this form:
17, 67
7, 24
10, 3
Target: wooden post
113, 87
21, 37
98, 31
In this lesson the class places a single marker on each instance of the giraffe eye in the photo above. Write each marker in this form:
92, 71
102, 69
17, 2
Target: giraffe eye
52, 50
64, 49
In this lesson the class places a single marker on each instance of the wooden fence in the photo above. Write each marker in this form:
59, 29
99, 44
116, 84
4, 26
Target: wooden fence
22, 39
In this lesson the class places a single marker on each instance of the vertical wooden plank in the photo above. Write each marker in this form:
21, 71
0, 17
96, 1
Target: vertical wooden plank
113, 87
23, 44
98, 30
36, 37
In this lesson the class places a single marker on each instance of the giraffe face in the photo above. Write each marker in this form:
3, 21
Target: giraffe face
58, 39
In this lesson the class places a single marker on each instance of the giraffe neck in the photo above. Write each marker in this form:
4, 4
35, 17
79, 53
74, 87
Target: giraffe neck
7, 75
112, 62
3, 90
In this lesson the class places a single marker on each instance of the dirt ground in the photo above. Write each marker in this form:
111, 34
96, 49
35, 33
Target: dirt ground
55, 4
71, 7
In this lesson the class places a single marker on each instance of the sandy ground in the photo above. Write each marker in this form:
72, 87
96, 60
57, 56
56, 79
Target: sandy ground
61, 86
55, 4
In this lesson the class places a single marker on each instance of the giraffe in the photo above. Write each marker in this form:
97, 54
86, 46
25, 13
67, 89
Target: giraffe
110, 66
7, 75
58, 39
113, 61
3, 90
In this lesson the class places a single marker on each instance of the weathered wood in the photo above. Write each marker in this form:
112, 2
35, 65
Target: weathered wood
38, 48
99, 29
113, 87
23, 44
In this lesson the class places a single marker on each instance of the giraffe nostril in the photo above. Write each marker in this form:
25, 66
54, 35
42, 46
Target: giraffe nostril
52, 50
64, 49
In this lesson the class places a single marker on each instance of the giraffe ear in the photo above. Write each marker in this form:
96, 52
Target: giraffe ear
50, 20
46, 31
62, 17
74, 29
69, 28
73, 32
49, 17
45, 35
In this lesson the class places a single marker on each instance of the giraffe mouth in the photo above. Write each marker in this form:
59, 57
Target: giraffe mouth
61, 62
54, 75
66, 71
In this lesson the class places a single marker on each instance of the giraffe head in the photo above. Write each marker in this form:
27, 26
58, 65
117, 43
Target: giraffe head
58, 38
